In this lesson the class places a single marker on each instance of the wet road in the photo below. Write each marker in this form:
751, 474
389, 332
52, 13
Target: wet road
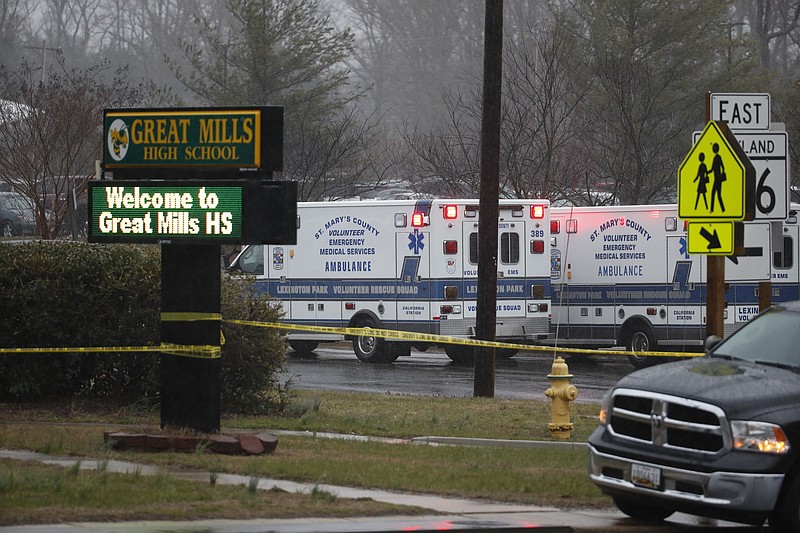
335, 367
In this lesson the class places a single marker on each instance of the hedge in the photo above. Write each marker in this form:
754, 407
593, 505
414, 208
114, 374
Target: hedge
69, 294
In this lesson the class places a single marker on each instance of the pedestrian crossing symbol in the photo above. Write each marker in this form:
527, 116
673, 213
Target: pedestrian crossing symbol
712, 180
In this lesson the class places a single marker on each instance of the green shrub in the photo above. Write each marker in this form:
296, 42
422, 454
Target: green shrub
64, 294
251, 356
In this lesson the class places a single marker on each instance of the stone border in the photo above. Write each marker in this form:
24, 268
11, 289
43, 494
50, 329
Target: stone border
243, 444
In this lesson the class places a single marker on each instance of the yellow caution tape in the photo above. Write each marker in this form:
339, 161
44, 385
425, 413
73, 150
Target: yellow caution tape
196, 351
186, 350
189, 317
444, 339
214, 352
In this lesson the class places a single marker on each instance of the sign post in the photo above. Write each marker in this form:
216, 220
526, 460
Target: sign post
716, 184
191, 180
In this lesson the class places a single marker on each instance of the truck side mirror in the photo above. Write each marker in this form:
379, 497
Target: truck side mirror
711, 342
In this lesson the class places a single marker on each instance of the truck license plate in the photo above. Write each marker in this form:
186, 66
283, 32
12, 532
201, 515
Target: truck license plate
646, 476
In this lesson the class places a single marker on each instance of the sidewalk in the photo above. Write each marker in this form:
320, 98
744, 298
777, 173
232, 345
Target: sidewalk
450, 514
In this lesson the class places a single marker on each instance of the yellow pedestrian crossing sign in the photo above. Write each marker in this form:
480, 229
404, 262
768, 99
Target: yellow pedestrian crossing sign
710, 238
716, 179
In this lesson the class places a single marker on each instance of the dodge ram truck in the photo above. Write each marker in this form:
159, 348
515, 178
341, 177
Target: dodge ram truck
716, 435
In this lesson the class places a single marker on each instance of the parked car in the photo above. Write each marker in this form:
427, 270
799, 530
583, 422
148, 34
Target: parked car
16, 216
717, 435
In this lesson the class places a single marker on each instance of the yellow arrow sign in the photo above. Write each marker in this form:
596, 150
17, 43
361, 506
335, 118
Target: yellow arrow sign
710, 238
712, 180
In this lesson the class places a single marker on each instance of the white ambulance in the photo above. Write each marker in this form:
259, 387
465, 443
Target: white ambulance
408, 265
623, 277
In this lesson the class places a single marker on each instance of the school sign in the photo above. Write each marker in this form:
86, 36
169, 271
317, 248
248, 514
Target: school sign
216, 138
715, 189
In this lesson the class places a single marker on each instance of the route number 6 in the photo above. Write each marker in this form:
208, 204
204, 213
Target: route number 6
762, 190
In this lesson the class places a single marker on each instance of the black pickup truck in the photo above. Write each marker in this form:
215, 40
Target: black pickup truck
717, 435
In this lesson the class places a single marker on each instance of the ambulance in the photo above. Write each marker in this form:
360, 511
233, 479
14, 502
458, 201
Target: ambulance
623, 278
405, 265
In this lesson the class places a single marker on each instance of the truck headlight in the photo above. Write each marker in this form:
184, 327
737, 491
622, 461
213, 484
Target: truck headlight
759, 437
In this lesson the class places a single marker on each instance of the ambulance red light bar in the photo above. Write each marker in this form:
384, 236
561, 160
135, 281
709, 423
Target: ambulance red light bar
537, 211
418, 219
450, 247
555, 227
450, 212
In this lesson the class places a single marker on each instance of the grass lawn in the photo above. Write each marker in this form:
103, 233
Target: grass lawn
544, 476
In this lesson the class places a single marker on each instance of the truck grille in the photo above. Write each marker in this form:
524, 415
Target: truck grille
667, 421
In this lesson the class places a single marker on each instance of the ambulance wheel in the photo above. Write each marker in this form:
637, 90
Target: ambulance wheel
641, 339
304, 347
459, 354
368, 348
505, 353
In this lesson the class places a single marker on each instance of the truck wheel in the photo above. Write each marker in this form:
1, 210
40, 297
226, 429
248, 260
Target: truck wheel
786, 516
369, 349
304, 347
641, 340
640, 511
459, 354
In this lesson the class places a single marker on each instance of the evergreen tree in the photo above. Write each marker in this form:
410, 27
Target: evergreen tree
287, 53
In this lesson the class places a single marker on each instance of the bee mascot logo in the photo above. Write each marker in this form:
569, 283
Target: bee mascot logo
118, 139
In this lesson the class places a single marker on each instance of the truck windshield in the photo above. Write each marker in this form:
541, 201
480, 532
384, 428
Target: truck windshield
251, 260
772, 337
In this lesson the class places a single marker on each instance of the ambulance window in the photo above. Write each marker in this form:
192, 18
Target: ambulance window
784, 258
252, 260
473, 248
509, 248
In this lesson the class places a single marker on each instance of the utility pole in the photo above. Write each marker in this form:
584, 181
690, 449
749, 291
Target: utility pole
44, 50
486, 312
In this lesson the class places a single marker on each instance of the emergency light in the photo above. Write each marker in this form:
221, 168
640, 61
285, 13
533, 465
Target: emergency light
537, 211
418, 219
450, 212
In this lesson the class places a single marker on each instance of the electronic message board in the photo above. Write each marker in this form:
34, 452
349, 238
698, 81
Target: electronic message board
163, 212
192, 211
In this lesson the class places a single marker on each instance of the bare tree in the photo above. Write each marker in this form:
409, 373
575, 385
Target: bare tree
351, 156
15, 17
651, 62
49, 147
72, 25
287, 52
410, 51
774, 28
143, 33
547, 79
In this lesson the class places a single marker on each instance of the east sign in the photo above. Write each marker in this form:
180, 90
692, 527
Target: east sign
215, 138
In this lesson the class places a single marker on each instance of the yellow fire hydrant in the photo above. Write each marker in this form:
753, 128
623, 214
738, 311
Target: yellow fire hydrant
561, 393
